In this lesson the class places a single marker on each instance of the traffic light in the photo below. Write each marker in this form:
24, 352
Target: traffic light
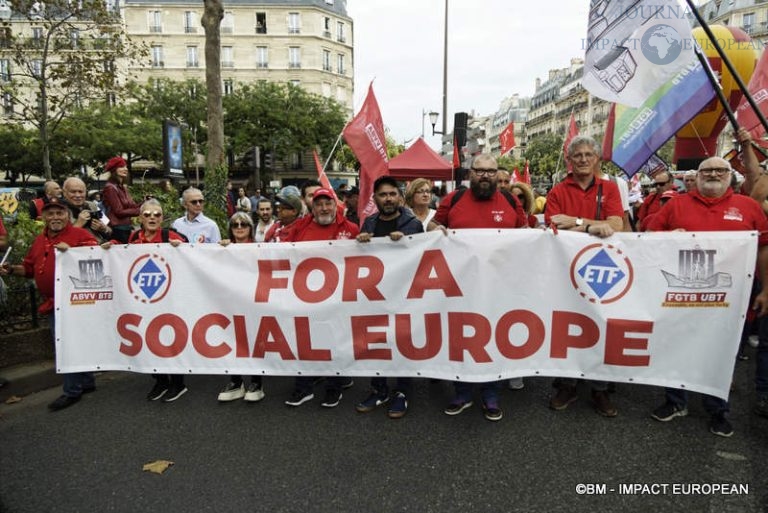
268, 160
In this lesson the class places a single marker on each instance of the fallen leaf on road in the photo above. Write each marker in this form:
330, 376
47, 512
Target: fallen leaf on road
13, 399
158, 467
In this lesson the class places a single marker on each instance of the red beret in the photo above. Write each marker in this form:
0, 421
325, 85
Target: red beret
114, 163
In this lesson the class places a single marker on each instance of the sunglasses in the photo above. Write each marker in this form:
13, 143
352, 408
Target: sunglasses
240, 225
661, 184
151, 214
197, 201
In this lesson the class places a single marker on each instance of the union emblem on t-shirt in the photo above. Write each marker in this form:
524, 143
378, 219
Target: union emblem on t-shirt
498, 216
733, 214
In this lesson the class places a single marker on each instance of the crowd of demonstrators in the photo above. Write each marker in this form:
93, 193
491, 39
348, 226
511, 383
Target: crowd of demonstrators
418, 197
240, 230
325, 223
289, 206
662, 181
39, 263
117, 200
483, 205
394, 221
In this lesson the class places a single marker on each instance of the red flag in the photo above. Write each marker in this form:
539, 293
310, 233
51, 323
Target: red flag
572, 132
527, 174
608, 137
365, 135
456, 154
321, 176
758, 88
507, 138
515, 176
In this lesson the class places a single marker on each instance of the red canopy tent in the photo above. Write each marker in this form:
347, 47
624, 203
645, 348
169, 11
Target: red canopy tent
420, 161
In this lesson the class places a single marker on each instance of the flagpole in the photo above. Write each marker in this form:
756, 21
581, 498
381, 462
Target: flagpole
729, 65
333, 150
718, 89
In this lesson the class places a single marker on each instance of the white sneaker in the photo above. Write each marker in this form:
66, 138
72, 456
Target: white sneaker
753, 341
516, 384
254, 393
232, 392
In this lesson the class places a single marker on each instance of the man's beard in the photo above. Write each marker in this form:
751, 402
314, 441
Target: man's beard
482, 193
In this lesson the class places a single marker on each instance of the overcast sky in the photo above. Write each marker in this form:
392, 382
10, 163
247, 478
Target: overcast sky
495, 48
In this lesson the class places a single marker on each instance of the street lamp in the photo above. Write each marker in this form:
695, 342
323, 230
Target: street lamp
433, 119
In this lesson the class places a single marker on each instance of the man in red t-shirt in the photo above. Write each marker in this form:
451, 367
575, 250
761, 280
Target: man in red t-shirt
325, 223
39, 263
482, 206
663, 182
713, 206
584, 202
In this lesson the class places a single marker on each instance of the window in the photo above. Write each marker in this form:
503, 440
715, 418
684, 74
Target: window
296, 160
748, 21
7, 104
340, 64
327, 60
227, 57
155, 21
327, 27
5, 70
109, 66
229, 87
113, 5
294, 23
341, 95
261, 23
340, 35
262, 57
37, 37
294, 57
157, 56
192, 61
111, 99
74, 38
228, 23
190, 22
37, 67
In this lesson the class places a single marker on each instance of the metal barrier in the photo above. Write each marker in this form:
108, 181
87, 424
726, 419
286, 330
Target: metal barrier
19, 312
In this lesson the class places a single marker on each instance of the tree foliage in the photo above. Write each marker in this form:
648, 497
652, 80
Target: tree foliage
544, 154
62, 56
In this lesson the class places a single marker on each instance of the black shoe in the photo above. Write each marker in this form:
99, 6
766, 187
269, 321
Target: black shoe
88, 390
157, 391
349, 383
719, 425
332, 398
64, 401
174, 392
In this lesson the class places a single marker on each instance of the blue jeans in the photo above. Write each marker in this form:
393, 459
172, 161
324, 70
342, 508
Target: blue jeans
488, 390
74, 382
761, 370
713, 405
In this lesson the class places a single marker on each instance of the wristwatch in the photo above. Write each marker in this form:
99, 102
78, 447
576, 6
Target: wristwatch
579, 221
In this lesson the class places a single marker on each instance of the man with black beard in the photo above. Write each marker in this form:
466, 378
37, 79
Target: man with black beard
393, 221
482, 206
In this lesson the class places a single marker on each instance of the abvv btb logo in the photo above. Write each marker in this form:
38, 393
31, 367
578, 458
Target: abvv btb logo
149, 278
601, 273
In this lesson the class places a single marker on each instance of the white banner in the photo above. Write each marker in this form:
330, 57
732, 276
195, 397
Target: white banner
476, 305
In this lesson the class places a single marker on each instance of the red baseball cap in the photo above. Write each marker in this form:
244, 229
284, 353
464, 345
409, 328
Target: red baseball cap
322, 193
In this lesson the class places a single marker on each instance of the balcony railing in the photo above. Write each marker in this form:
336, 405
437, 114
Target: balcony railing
158, 64
294, 64
227, 64
262, 65
155, 29
193, 64
227, 30
327, 34
261, 29
190, 30
294, 30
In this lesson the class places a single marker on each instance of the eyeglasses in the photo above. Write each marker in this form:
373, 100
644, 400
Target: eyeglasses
240, 225
151, 214
424, 191
197, 201
719, 171
586, 156
486, 172
661, 184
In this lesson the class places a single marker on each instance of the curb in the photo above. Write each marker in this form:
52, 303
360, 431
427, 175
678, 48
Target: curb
21, 380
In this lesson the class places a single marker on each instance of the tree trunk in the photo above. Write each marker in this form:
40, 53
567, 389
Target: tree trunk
211, 21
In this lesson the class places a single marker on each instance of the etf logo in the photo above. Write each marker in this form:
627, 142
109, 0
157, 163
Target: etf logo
149, 278
601, 273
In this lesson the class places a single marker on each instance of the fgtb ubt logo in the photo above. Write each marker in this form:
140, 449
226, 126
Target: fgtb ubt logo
149, 278
601, 273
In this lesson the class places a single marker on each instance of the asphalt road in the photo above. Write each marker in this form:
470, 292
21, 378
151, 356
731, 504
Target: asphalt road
268, 457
